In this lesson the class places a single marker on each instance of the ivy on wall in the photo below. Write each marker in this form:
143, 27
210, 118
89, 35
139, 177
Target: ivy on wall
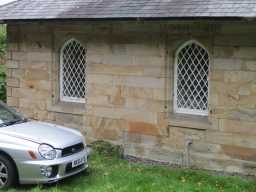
2, 83
2, 68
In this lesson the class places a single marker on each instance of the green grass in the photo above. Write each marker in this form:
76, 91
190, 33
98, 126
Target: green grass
108, 174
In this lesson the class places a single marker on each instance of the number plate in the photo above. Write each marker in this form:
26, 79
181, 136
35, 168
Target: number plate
78, 162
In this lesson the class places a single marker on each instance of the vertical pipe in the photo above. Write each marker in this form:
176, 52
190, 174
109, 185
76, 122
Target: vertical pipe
188, 144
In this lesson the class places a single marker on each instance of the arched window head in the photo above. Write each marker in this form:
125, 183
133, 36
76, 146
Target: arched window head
73, 76
191, 79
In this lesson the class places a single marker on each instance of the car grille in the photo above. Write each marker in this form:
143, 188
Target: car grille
72, 149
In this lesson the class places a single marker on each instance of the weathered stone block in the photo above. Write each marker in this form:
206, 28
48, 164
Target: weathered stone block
145, 49
245, 53
12, 64
209, 161
121, 113
11, 82
100, 79
117, 97
242, 153
98, 100
100, 89
158, 154
28, 112
17, 73
216, 137
39, 65
217, 75
115, 69
13, 101
244, 114
204, 147
239, 76
224, 51
40, 115
245, 90
227, 64
143, 128
250, 65
139, 92
36, 74
106, 128
19, 56
145, 104
118, 60
69, 120
145, 82
99, 48
244, 140
36, 104
9, 91
237, 126
149, 61
44, 85
31, 94
39, 56
8, 72
36, 42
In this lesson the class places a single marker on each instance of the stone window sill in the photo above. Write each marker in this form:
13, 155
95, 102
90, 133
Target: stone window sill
68, 107
189, 121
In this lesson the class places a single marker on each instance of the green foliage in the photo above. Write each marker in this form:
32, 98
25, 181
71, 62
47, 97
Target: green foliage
2, 83
2, 70
107, 149
112, 174
2, 40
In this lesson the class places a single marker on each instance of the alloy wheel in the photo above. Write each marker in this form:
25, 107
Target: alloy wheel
3, 174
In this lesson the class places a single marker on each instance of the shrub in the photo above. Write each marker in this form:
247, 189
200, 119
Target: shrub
107, 149
2, 84
2, 40
2, 69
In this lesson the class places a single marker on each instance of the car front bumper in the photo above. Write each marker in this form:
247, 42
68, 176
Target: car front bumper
30, 171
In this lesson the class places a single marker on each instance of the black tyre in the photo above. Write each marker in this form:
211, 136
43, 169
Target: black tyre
8, 175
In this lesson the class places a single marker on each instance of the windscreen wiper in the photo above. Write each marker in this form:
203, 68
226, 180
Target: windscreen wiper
13, 122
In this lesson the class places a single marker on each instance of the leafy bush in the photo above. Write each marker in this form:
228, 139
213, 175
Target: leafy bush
107, 149
2, 69
2, 84
2, 40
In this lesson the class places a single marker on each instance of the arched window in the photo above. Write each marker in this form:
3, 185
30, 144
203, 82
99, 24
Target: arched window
73, 84
191, 79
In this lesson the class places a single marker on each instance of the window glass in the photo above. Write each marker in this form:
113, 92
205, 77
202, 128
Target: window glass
191, 79
73, 72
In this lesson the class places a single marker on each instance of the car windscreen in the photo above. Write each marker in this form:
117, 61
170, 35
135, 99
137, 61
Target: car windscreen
8, 115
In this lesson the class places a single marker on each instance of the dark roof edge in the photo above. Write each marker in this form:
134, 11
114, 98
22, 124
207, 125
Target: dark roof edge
131, 19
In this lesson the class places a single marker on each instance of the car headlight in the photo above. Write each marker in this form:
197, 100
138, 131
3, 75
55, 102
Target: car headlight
47, 151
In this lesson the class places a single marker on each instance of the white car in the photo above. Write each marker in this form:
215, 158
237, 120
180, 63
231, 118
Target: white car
34, 152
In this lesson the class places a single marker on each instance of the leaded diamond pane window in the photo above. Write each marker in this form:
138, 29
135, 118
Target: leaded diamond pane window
73, 86
191, 80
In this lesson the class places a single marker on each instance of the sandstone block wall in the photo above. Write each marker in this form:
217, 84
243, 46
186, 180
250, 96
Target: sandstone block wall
130, 88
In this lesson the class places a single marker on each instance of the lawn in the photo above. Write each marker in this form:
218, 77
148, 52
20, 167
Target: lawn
110, 174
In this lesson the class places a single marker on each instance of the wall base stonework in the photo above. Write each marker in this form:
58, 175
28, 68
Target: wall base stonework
130, 88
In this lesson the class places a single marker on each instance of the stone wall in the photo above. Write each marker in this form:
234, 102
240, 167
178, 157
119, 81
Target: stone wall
130, 88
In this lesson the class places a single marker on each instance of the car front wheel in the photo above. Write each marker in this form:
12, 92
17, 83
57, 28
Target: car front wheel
7, 172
